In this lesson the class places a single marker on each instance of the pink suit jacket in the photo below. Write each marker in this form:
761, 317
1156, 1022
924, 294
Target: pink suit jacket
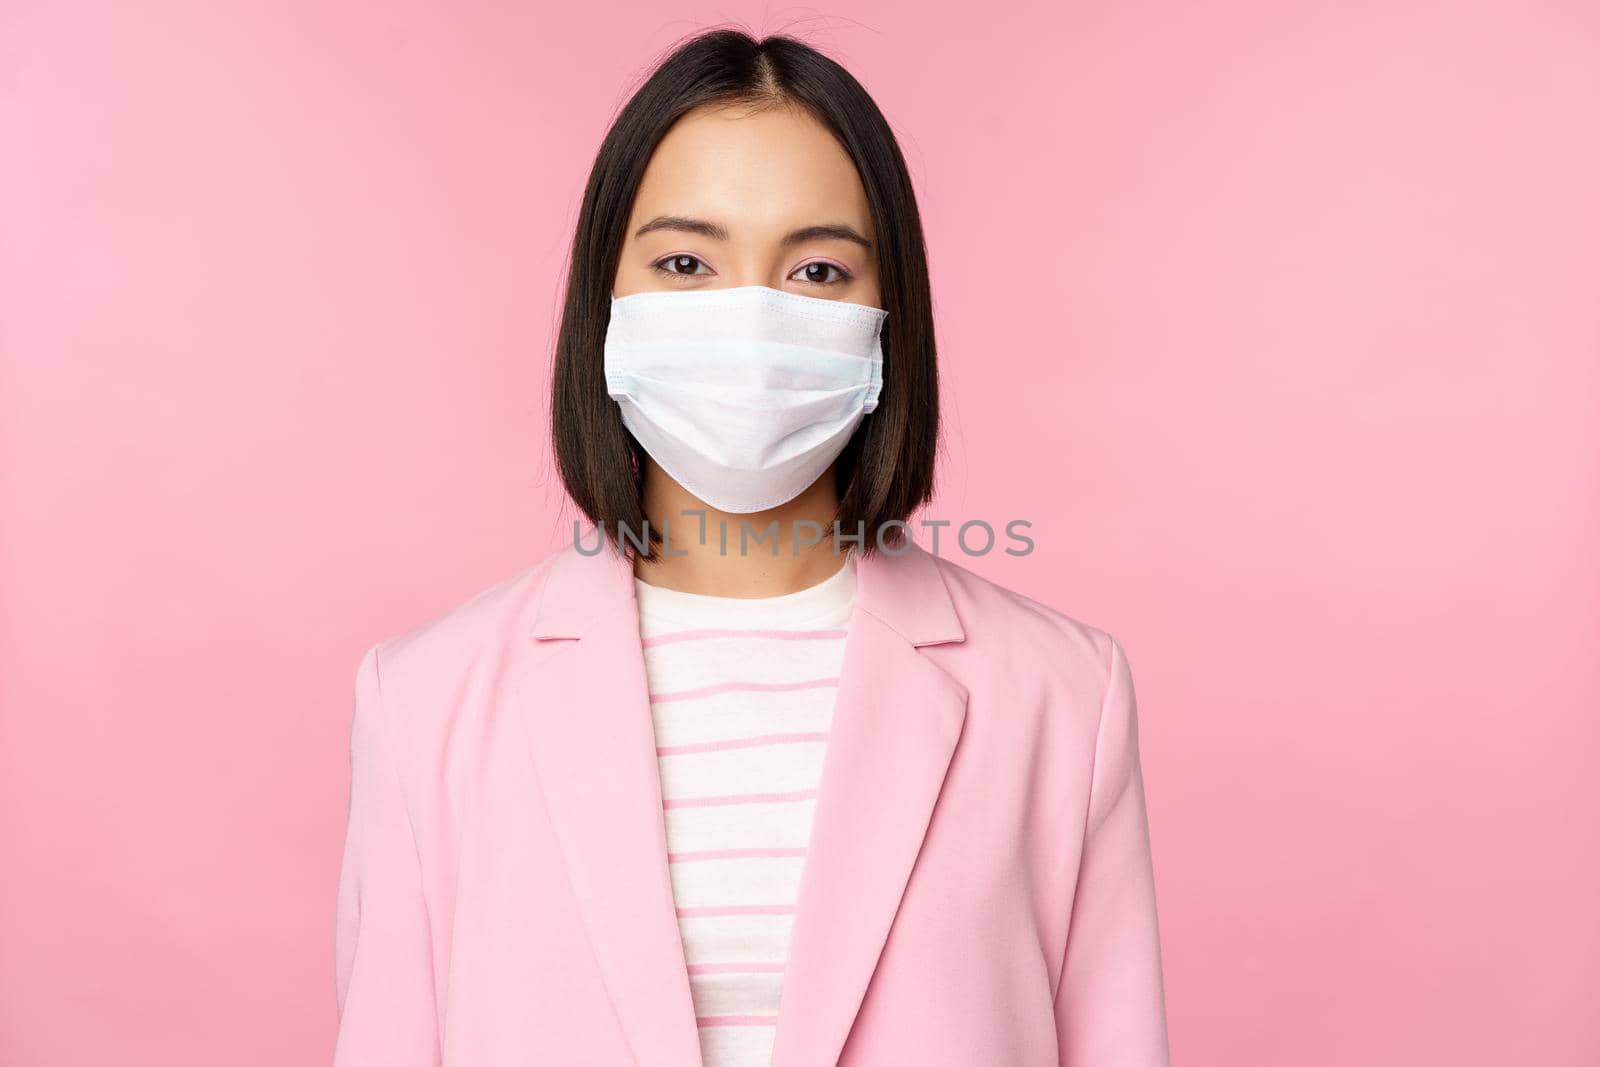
977, 891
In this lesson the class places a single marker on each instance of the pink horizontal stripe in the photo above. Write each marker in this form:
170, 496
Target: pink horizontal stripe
740, 742
735, 968
713, 910
764, 635
742, 687
736, 1020
734, 854
741, 798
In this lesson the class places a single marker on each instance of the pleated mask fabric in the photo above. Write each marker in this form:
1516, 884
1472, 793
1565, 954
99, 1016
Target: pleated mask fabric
744, 395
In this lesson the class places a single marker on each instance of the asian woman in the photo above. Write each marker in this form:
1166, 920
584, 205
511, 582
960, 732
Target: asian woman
745, 775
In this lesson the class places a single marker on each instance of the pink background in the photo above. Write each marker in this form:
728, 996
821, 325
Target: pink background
277, 299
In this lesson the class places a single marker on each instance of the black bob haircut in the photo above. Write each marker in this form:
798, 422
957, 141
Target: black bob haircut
885, 471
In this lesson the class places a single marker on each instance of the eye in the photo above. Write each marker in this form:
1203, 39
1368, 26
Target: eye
817, 273
681, 265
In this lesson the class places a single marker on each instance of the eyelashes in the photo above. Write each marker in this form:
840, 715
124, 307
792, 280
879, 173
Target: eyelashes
664, 267
844, 275
660, 266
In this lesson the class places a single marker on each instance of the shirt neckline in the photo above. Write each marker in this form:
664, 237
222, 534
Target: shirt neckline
829, 599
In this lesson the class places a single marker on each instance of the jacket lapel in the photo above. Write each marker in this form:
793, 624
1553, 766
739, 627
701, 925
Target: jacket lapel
585, 704
896, 721
584, 701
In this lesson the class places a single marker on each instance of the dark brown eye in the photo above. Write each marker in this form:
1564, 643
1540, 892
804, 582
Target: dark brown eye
681, 264
818, 274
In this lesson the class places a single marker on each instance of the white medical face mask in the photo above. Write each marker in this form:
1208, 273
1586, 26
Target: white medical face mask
744, 396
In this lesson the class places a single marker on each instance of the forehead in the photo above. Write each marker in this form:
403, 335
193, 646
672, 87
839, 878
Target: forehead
752, 170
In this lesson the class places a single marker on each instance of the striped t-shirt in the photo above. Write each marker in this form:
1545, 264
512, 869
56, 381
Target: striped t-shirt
742, 695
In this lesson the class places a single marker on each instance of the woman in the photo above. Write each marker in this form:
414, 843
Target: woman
677, 796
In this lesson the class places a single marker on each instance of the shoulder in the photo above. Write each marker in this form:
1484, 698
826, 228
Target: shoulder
427, 663
1038, 640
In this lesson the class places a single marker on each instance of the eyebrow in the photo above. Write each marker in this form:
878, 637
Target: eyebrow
836, 231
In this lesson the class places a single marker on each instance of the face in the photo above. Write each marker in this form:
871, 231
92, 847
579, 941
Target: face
734, 196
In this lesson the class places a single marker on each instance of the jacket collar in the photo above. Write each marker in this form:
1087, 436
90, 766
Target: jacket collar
583, 700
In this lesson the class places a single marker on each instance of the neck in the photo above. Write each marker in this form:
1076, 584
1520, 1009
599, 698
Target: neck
726, 566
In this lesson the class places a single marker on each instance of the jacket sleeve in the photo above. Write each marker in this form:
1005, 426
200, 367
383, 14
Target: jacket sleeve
1110, 1006
383, 948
